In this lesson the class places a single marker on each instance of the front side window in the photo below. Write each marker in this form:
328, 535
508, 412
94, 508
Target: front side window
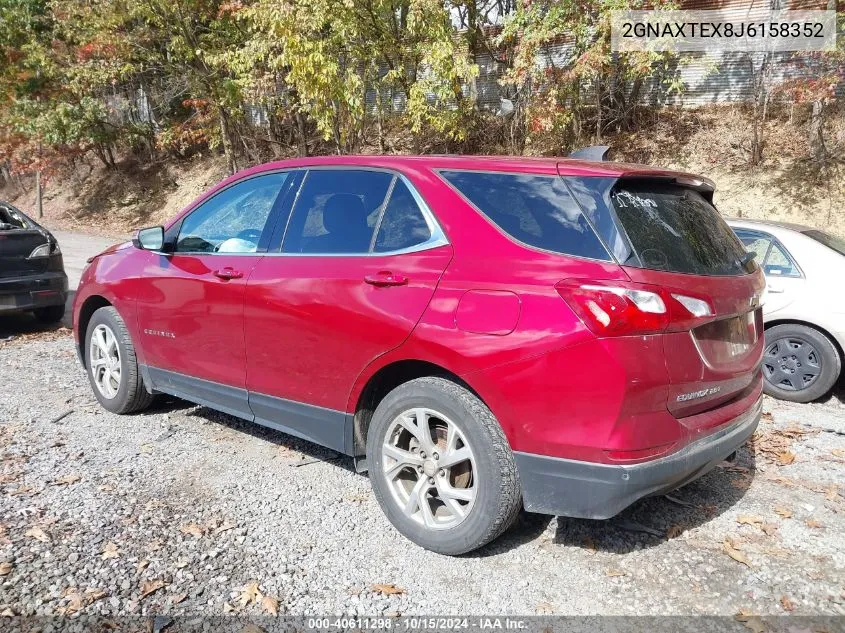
233, 220
535, 210
336, 211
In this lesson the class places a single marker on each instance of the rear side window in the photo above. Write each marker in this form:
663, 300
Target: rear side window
676, 229
336, 211
769, 253
535, 210
403, 224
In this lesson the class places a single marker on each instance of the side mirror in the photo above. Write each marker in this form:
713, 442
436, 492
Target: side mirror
149, 239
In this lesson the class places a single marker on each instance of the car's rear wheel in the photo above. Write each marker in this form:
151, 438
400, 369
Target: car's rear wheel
112, 364
441, 467
800, 363
50, 314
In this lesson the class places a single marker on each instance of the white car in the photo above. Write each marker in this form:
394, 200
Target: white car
804, 308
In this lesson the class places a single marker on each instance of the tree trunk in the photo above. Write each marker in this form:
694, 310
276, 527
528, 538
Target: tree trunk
226, 137
817, 148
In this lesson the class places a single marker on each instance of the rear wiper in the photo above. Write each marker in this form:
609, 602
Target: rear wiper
746, 259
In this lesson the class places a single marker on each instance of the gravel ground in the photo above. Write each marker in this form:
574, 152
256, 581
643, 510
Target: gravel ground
185, 511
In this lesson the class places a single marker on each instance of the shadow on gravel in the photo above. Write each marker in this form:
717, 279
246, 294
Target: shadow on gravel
309, 453
653, 521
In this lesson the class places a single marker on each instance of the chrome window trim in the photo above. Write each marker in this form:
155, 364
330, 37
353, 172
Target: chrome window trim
610, 259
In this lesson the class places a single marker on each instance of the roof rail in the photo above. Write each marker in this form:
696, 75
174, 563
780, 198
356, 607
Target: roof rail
594, 152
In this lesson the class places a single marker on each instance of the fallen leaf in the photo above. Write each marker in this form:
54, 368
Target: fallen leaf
813, 523
146, 448
67, 480
8, 478
787, 604
674, 531
180, 597
193, 529
786, 513
270, 605
110, 551
224, 528
615, 573
249, 593
766, 416
105, 488
732, 551
38, 534
150, 586
22, 490
5, 569
228, 608
544, 608
141, 566
784, 458
751, 622
839, 452
7, 613
832, 492
251, 628
746, 519
388, 589
769, 529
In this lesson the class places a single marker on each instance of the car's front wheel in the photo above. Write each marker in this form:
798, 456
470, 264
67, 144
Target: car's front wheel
800, 363
112, 365
441, 467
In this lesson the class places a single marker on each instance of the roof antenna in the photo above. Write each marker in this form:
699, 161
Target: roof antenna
594, 152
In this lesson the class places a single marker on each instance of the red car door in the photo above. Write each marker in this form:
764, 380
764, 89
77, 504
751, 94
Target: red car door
360, 260
190, 301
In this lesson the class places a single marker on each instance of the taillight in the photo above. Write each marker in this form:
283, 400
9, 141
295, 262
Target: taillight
616, 308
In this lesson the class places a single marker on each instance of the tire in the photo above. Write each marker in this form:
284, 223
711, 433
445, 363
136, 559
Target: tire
130, 395
50, 314
791, 348
489, 476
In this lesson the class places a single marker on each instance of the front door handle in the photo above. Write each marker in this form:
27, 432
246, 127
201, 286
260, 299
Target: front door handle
774, 289
228, 273
386, 278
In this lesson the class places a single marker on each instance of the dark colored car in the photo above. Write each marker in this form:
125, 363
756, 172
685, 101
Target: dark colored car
32, 274
480, 334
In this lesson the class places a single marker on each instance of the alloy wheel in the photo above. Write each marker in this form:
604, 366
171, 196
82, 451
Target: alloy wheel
104, 355
430, 468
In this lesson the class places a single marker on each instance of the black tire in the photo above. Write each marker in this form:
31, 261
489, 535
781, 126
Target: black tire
131, 394
50, 314
498, 494
788, 348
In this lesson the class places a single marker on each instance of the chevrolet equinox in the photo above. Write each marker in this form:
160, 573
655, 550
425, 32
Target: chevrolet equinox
480, 334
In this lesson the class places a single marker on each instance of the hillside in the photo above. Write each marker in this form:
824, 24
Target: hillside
711, 141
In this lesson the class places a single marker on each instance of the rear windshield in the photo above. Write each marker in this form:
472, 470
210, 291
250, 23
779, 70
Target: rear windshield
831, 241
535, 210
676, 229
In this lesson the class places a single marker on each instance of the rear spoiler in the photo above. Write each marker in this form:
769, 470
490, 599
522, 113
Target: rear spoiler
596, 153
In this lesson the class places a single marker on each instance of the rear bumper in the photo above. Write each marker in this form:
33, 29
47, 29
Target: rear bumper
588, 490
32, 291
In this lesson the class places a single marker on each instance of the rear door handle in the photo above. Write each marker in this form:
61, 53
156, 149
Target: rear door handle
774, 289
386, 278
228, 273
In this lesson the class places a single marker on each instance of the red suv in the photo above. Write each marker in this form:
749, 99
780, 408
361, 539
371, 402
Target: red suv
481, 334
